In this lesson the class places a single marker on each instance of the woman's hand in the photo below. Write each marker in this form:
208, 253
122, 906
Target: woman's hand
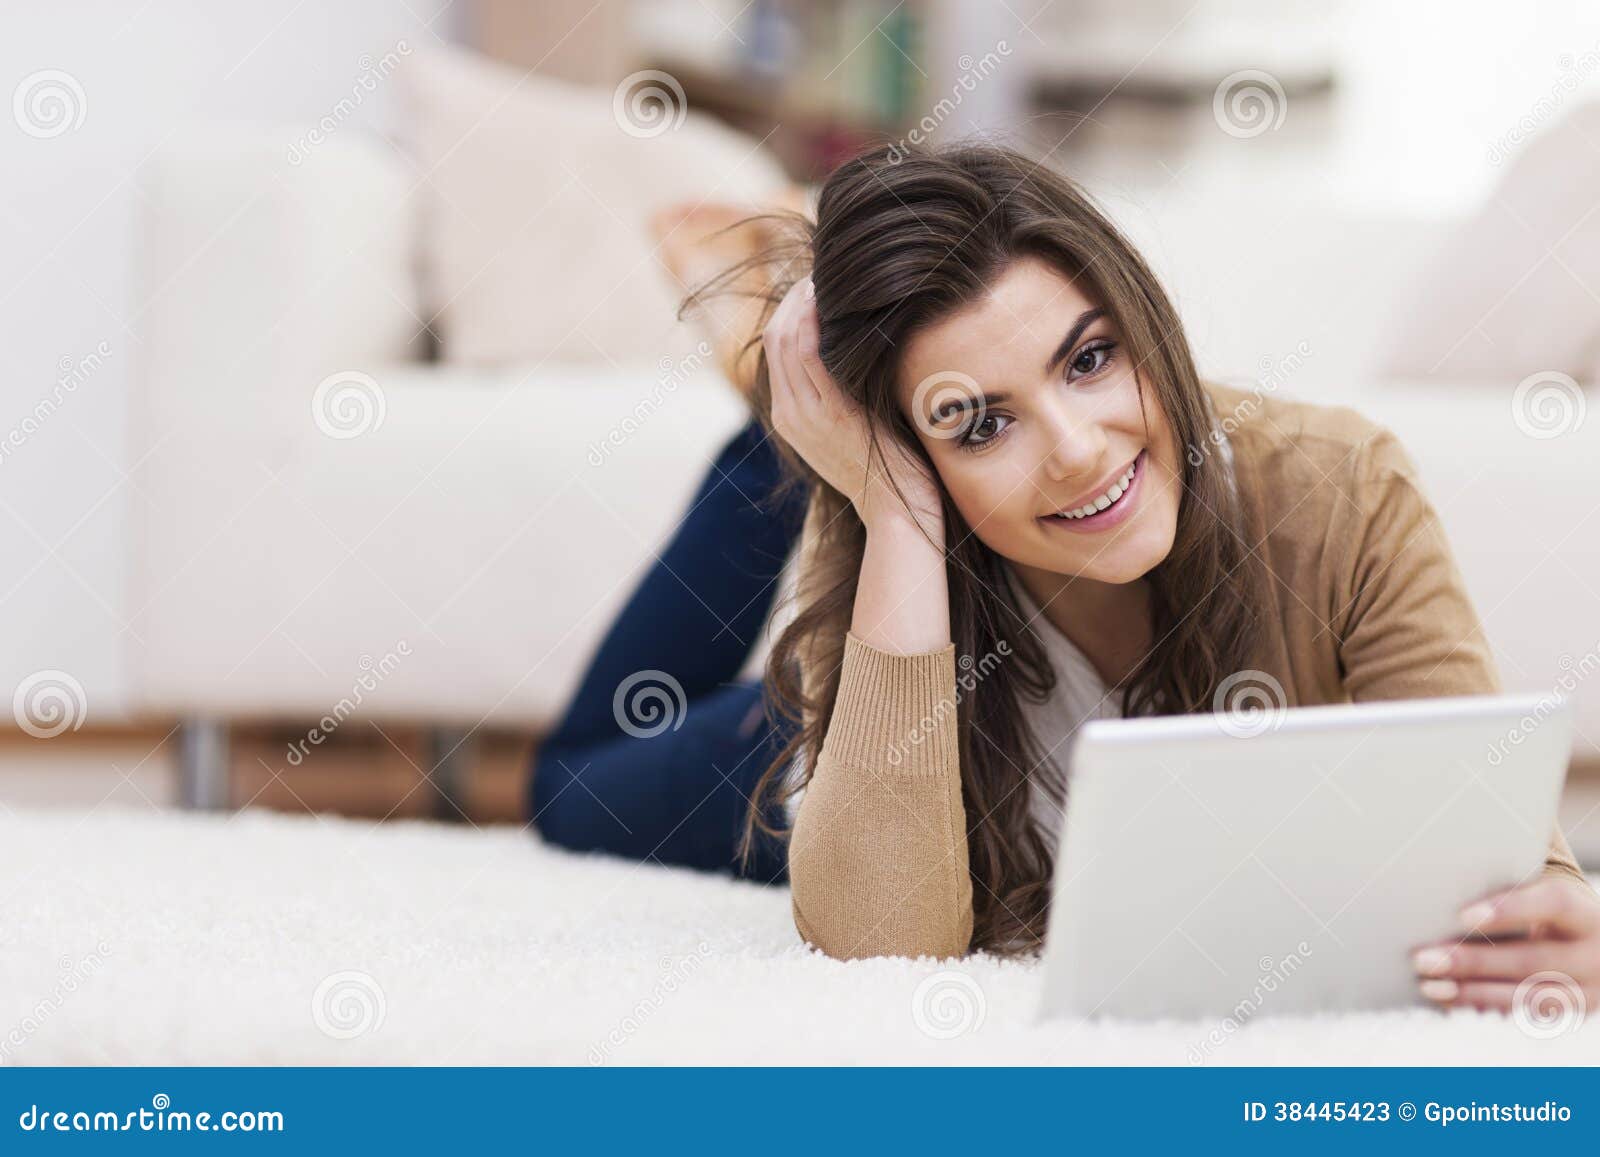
1551, 925
830, 432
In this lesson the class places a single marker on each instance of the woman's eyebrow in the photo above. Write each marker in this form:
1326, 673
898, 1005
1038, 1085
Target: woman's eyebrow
966, 404
1085, 319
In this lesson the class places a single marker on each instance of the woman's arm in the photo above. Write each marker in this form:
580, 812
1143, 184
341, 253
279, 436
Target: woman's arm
878, 859
878, 856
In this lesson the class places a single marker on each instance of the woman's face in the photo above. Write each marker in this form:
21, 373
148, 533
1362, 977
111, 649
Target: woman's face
1029, 407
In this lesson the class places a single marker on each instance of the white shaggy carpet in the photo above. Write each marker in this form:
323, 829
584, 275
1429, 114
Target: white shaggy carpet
154, 938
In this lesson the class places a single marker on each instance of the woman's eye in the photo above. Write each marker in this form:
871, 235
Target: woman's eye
1091, 359
985, 429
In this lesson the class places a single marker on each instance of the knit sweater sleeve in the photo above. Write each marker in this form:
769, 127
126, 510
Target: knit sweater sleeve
878, 854
1405, 622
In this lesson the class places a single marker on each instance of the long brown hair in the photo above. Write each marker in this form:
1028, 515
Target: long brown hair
901, 240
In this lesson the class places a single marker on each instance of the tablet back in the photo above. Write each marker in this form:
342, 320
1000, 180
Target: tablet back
1229, 866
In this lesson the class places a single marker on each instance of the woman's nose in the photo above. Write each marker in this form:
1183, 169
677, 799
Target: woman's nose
1076, 445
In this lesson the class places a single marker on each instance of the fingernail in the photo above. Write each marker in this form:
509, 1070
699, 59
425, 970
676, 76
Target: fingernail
1431, 961
1475, 914
811, 288
1440, 989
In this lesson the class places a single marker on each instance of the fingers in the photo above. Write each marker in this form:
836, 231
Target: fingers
1509, 961
781, 340
1552, 906
1548, 926
809, 338
1490, 995
784, 402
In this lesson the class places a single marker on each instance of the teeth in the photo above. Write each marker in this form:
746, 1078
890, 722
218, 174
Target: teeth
1118, 489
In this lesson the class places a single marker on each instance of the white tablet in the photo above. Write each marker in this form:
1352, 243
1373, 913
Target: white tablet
1228, 867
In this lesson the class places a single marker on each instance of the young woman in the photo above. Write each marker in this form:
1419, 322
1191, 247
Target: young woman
1008, 457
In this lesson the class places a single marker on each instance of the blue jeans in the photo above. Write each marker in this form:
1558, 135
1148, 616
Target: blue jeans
616, 776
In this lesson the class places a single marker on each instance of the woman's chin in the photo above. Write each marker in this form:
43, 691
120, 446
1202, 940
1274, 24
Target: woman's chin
1131, 556
1118, 571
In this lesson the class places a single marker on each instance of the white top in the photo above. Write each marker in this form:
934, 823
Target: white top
1079, 695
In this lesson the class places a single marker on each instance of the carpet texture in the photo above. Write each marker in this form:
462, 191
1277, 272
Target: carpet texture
165, 938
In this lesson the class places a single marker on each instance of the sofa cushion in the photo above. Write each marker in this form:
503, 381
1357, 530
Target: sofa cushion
538, 194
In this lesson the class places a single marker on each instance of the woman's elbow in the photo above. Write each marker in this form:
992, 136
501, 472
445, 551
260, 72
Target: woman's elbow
860, 934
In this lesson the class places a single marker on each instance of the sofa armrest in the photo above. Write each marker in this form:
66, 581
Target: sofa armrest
265, 267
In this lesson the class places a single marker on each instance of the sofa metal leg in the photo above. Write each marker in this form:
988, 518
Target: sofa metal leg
204, 781
450, 758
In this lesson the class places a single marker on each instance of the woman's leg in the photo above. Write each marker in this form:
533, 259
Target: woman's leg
679, 797
660, 747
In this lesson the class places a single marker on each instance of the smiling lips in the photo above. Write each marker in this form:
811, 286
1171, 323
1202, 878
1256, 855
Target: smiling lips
1107, 498
1106, 507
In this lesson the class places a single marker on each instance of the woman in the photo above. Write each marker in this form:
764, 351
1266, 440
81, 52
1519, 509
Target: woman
1009, 457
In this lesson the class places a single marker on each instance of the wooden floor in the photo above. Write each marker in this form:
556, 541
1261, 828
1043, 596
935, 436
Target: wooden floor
364, 769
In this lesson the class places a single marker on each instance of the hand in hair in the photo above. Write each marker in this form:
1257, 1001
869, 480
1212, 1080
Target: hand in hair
886, 484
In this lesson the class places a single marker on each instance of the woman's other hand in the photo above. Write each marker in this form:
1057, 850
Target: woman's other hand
1550, 925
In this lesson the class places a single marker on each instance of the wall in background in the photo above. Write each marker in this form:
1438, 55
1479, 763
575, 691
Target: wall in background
1436, 94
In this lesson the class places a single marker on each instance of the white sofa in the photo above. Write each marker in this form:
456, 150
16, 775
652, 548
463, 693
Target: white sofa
276, 565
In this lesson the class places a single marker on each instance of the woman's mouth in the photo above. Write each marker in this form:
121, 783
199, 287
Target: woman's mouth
1109, 508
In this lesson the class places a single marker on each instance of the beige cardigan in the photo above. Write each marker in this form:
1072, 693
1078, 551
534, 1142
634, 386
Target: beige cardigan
1365, 602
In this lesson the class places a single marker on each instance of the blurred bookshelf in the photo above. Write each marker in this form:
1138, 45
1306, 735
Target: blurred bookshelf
818, 81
